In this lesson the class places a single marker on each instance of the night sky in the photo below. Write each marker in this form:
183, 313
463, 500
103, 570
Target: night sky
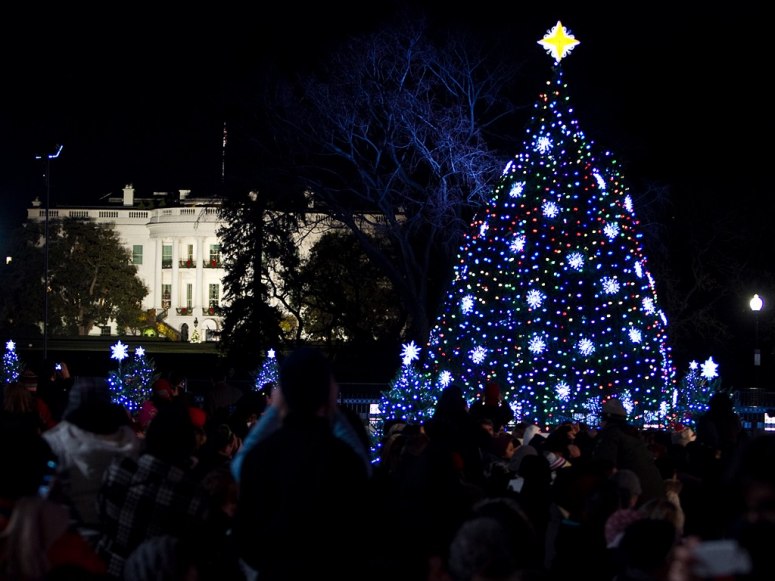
681, 98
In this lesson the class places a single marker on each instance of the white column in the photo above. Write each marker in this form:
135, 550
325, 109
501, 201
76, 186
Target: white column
200, 258
175, 298
157, 278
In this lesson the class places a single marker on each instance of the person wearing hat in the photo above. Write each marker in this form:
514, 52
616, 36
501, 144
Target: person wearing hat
93, 432
623, 444
491, 406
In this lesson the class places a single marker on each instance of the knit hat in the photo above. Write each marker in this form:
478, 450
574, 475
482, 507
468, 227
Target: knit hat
492, 393
614, 407
198, 416
628, 480
682, 435
163, 388
556, 461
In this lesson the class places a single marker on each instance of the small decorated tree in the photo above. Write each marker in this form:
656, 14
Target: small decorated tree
131, 384
410, 397
692, 397
12, 367
268, 371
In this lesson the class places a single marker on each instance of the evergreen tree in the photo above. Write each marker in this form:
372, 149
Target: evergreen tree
131, 384
268, 371
551, 295
692, 398
12, 367
410, 397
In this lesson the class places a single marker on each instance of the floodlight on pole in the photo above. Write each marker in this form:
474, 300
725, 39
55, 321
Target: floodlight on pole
48, 159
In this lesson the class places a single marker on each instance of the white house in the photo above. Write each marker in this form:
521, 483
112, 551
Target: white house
177, 253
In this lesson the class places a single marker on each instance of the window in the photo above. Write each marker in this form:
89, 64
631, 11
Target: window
105, 331
215, 253
137, 254
214, 295
189, 294
190, 252
166, 296
166, 256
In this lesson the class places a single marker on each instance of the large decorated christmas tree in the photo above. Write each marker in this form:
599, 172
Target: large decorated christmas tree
552, 296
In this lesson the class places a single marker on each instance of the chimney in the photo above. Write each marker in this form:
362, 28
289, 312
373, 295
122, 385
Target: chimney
129, 195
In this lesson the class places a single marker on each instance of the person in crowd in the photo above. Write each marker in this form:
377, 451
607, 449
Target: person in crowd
622, 444
54, 385
497, 459
645, 551
248, 409
302, 486
579, 508
491, 405
37, 541
497, 541
268, 391
721, 428
162, 393
21, 406
221, 400
518, 431
162, 558
155, 494
217, 451
562, 441
92, 433
31, 380
626, 485
532, 442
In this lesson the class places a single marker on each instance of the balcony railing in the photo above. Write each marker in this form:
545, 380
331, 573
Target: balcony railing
212, 263
187, 263
166, 263
213, 310
185, 310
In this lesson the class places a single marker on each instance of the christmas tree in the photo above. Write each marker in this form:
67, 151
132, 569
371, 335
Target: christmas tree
692, 397
269, 371
132, 383
551, 296
12, 367
410, 397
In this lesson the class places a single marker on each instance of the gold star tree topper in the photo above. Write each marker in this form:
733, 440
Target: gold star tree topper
558, 42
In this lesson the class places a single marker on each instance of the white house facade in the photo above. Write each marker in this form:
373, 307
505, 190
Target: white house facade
177, 253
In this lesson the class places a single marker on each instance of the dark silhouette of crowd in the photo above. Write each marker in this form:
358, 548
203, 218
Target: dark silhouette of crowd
287, 483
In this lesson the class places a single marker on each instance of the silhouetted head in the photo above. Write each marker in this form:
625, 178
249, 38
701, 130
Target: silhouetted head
306, 380
171, 435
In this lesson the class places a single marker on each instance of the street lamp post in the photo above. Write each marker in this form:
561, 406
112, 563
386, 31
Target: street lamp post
48, 159
756, 305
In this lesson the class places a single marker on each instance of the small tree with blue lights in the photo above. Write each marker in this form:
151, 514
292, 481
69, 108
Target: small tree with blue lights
551, 295
12, 366
410, 397
131, 384
269, 371
691, 398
